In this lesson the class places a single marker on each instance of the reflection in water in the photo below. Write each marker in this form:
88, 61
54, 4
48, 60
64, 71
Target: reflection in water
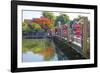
38, 50
31, 57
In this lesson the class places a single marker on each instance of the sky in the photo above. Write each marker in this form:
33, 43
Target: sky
38, 14
31, 14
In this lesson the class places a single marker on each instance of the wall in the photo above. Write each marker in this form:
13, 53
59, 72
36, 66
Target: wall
5, 37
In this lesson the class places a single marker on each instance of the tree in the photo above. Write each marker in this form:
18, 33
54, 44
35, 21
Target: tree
49, 15
44, 22
25, 27
62, 18
36, 26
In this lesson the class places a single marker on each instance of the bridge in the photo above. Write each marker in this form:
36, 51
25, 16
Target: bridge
68, 50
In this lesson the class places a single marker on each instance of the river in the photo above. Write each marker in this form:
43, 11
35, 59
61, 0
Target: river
38, 50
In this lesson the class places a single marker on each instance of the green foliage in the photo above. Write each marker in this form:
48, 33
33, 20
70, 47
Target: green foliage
25, 50
79, 16
36, 26
25, 27
37, 50
62, 18
39, 46
35, 45
49, 15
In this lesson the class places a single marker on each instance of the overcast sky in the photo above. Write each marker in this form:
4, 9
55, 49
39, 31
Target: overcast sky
38, 14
